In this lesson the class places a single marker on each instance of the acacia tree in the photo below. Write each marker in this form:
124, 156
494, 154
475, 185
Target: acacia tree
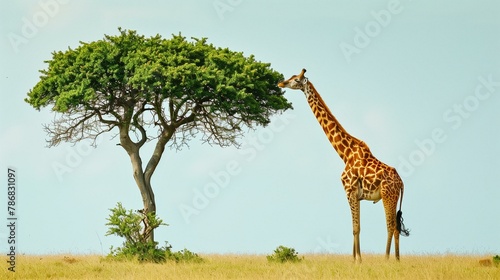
158, 90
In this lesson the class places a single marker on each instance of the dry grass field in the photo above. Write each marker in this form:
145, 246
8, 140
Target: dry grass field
256, 267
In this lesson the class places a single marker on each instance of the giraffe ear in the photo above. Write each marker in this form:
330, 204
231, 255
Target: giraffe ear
305, 81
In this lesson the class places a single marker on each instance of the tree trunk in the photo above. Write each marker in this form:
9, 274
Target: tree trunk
148, 197
143, 177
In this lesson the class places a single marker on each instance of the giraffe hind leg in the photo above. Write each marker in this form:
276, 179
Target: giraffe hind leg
390, 215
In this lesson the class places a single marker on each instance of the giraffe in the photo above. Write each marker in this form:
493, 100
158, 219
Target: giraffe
364, 176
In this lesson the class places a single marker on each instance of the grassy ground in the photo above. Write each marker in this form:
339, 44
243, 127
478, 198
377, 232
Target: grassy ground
255, 267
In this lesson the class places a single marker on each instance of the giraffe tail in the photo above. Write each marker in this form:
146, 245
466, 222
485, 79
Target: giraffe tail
399, 218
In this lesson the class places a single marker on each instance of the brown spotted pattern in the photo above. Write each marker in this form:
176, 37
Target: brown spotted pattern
364, 176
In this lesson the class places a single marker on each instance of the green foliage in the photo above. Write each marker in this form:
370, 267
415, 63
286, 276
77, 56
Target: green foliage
496, 260
132, 226
143, 252
284, 254
183, 256
135, 227
113, 81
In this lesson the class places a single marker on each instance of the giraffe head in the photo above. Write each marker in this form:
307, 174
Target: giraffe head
295, 82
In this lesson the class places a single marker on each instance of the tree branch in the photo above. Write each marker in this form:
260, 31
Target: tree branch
137, 125
73, 129
158, 109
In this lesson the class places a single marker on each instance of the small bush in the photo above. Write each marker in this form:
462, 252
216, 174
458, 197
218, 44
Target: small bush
284, 254
183, 256
132, 226
143, 252
496, 260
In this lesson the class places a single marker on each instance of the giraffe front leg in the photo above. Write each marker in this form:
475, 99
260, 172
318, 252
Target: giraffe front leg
356, 227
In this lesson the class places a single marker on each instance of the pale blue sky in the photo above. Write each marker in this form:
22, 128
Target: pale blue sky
418, 81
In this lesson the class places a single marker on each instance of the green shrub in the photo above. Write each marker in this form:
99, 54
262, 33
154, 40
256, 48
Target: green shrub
143, 252
129, 225
183, 256
284, 254
496, 260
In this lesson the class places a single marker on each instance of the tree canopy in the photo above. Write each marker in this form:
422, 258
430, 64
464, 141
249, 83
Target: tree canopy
133, 83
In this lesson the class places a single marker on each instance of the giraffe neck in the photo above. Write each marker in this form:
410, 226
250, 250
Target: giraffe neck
344, 143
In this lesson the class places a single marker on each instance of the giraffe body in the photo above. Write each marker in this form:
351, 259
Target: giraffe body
364, 176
